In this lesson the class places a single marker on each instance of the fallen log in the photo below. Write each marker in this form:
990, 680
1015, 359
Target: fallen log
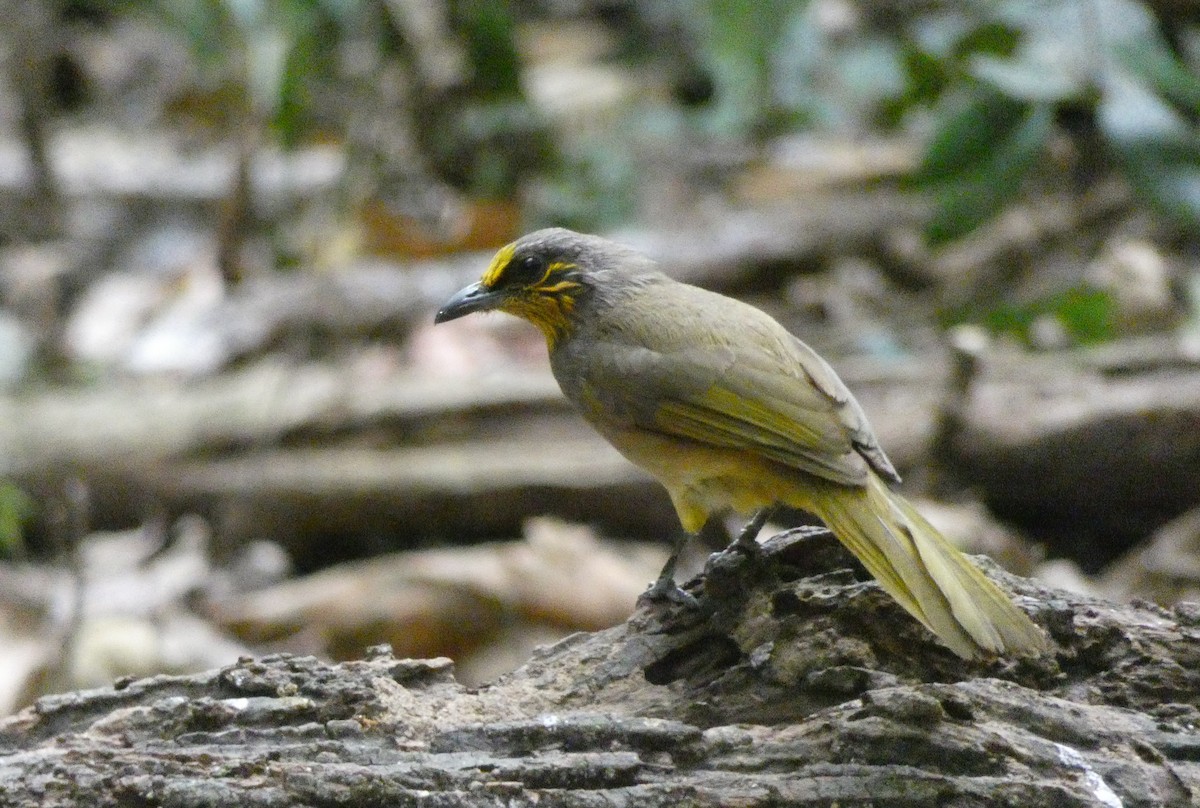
1090, 452
1090, 459
796, 683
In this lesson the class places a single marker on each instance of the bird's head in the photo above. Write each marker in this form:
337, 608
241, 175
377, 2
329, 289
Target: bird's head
542, 277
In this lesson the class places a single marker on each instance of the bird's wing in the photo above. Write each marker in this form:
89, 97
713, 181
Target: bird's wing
795, 411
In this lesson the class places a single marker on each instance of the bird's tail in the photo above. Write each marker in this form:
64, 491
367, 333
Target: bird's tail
927, 575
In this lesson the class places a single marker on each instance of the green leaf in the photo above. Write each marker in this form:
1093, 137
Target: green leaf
204, 24
1167, 173
489, 30
15, 508
966, 136
1129, 111
1086, 313
982, 189
995, 38
1159, 68
1156, 145
1028, 79
742, 43
927, 76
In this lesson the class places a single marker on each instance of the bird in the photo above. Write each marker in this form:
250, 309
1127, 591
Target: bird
732, 412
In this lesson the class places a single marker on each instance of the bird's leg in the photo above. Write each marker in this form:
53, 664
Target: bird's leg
747, 540
664, 587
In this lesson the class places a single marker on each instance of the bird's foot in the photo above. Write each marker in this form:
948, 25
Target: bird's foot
666, 590
803, 533
747, 539
749, 548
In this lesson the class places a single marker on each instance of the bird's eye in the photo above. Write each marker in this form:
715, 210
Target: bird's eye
526, 270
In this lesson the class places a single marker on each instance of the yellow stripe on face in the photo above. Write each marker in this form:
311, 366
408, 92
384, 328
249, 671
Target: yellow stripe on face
557, 266
561, 286
495, 269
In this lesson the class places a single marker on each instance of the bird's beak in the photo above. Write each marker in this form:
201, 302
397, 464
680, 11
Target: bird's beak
475, 297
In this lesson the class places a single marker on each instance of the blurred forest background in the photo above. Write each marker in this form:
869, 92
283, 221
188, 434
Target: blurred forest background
227, 426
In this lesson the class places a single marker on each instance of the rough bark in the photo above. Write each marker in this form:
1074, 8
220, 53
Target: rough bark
795, 683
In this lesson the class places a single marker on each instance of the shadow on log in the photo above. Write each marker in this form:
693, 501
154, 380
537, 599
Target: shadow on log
797, 683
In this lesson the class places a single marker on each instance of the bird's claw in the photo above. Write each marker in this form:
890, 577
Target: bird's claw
747, 540
803, 533
665, 589
748, 547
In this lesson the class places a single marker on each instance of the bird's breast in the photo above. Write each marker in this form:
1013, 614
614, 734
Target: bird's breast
703, 479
